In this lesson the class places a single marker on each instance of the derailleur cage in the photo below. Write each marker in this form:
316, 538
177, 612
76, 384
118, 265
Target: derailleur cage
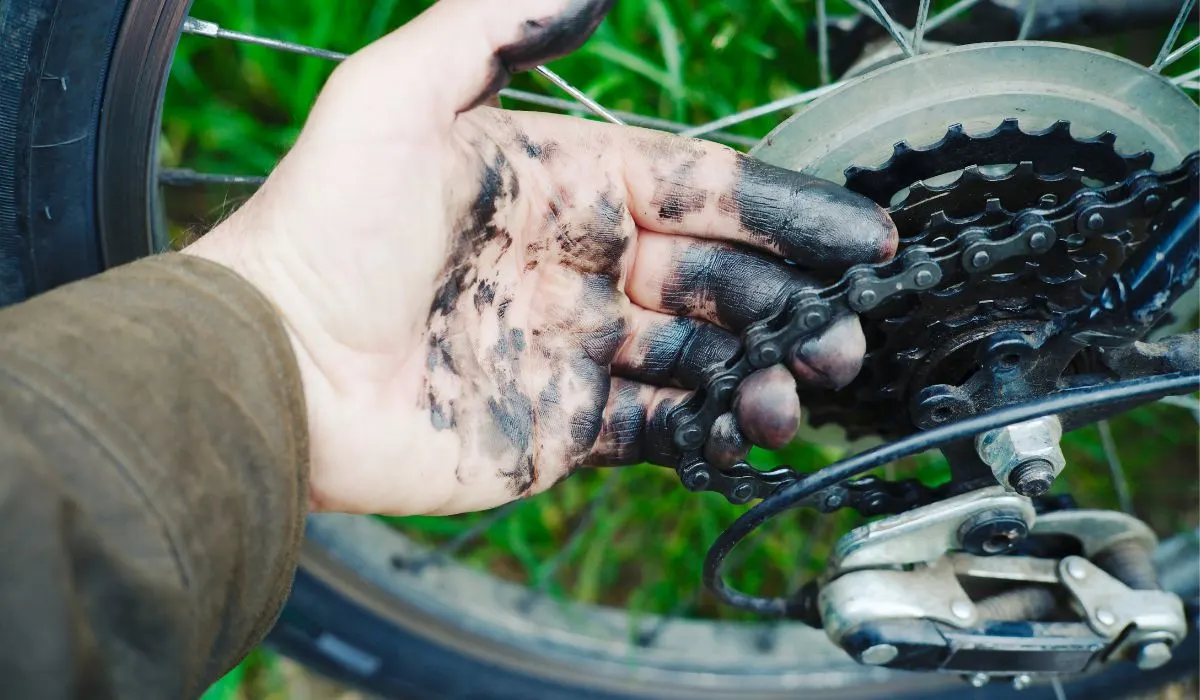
904, 592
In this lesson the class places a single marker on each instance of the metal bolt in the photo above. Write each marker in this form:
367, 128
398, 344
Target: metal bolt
1152, 203
1022, 681
978, 680
1151, 655
1033, 478
879, 654
1105, 617
833, 501
1095, 221
924, 278
743, 492
1039, 241
962, 609
768, 354
690, 436
867, 297
697, 480
1076, 569
812, 319
980, 259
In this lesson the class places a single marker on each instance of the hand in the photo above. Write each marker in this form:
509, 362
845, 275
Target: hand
481, 300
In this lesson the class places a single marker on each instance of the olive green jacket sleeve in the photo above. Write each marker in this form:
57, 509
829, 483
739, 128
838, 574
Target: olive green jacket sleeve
153, 481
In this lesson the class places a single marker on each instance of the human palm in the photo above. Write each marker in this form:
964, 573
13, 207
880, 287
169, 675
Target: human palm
482, 301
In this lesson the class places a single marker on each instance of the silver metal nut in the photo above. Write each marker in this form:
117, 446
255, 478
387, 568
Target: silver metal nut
1033, 445
879, 654
1153, 655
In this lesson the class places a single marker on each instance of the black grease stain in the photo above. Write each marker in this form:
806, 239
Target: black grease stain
811, 221
485, 294
622, 428
542, 40
497, 183
541, 152
440, 353
679, 350
585, 422
677, 194
727, 284
511, 412
601, 247
441, 414
726, 445
657, 444
502, 307
521, 478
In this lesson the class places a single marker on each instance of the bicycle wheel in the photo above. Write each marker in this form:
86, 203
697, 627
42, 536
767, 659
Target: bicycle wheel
81, 95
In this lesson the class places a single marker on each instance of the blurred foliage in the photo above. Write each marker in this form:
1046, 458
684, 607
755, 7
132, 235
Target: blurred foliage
236, 108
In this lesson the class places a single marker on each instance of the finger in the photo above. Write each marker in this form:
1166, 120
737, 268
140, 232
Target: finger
635, 425
669, 350
729, 286
693, 187
490, 41
768, 408
726, 444
832, 359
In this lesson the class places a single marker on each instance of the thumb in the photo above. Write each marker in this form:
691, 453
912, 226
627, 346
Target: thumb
461, 52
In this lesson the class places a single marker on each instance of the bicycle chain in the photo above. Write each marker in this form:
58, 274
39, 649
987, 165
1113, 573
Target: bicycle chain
983, 242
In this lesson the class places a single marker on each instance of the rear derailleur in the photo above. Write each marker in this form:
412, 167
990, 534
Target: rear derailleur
982, 585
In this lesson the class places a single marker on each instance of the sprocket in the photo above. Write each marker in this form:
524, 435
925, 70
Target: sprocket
931, 338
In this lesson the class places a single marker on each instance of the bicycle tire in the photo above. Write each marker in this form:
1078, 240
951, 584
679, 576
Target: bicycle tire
81, 82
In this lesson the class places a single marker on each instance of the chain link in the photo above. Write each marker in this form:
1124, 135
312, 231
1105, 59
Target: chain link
979, 247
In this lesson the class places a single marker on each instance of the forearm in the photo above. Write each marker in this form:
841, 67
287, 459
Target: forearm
153, 468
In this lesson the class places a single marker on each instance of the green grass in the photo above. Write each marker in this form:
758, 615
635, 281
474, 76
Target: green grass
236, 109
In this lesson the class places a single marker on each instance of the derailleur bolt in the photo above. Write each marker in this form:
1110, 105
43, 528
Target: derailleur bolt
879, 655
1033, 478
978, 680
1151, 655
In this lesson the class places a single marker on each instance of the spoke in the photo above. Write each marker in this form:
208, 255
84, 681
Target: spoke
1027, 22
759, 111
1180, 52
823, 42
629, 117
182, 177
200, 27
1186, 77
1172, 36
1193, 85
890, 25
1059, 693
950, 13
1120, 482
578, 94
919, 29
584, 524
452, 546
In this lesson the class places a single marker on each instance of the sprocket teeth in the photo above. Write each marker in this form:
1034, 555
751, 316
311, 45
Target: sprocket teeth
905, 340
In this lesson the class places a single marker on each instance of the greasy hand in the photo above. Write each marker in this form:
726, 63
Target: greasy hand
482, 301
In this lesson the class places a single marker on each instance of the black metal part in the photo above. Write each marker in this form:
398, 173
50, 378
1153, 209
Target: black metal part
1003, 647
931, 313
993, 532
798, 493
